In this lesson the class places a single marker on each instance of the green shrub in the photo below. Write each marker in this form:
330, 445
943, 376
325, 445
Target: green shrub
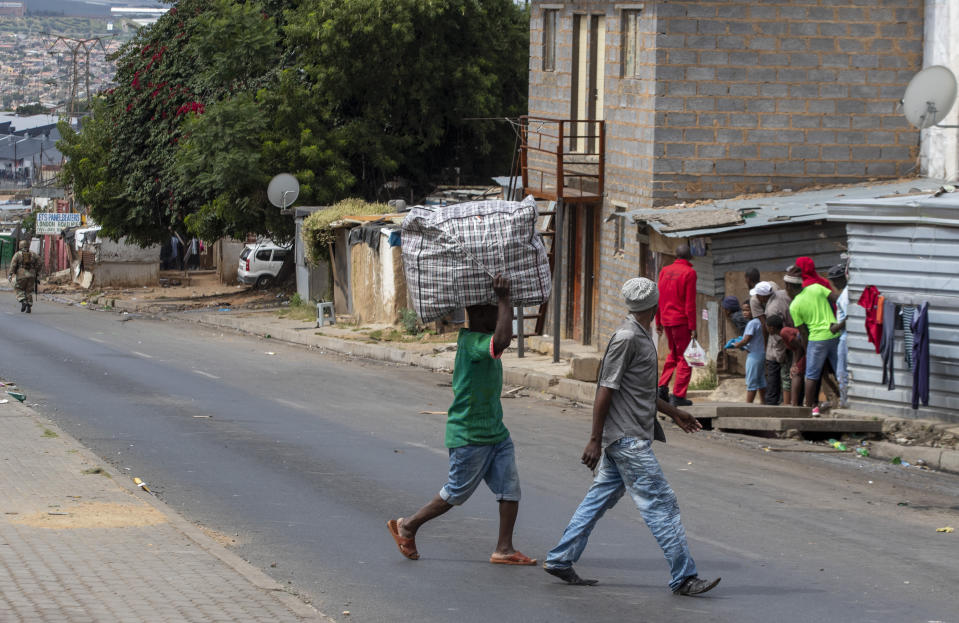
317, 233
410, 321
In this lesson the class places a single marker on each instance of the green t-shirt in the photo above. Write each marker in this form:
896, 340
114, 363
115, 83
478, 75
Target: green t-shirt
811, 308
476, 415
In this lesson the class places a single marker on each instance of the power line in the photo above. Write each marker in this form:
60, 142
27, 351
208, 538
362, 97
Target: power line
75, 46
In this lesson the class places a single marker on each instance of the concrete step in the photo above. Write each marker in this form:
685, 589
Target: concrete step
806, 424
583, 360
745, 409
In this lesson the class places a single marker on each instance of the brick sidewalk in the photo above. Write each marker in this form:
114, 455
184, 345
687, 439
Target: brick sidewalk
79, 545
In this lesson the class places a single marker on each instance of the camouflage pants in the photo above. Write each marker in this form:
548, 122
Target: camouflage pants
24, 290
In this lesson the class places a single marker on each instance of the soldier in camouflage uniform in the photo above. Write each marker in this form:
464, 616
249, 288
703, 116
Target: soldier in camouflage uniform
25, 266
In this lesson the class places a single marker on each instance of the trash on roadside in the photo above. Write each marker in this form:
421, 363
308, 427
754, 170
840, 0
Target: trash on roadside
269, 352
142, 485
838, 445
920, 462
947, 529
903, 504
862, 451
4, 401
17, 395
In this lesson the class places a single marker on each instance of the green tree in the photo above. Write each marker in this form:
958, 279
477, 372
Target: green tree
400, 80
88, 170
198, 54
32, 109
219, 95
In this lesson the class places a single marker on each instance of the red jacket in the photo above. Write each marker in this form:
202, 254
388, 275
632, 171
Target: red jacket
677, 296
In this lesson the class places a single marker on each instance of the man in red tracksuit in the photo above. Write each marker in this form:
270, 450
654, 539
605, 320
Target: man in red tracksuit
676, 316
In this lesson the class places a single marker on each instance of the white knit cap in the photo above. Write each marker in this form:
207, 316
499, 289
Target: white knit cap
763, 288
640, 294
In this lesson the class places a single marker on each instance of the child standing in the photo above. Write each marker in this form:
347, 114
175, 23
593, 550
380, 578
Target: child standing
752, 342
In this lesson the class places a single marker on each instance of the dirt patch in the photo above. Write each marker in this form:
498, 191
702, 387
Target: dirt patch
921, 433
92, 515
192, 290
219, 537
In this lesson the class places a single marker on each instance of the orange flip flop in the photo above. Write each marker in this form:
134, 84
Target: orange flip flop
407, 546
516, 558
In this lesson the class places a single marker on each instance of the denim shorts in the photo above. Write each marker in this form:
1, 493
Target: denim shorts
469, 465
817, 353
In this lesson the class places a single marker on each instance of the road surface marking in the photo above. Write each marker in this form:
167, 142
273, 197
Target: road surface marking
430, 448
733, 549
206, 374
293, 405
96, 339
139, 354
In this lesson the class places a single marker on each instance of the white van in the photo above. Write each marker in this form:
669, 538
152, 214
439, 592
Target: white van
260, 263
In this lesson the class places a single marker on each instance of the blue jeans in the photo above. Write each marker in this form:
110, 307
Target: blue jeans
470, 465
629, 464
818, 353
842, 372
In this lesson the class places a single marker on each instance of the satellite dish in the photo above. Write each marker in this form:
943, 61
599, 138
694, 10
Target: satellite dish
929, 96
283, 190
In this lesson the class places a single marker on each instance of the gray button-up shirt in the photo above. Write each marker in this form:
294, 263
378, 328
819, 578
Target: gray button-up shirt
630, 367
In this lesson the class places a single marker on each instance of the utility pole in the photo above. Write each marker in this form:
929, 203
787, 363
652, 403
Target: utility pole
75, 46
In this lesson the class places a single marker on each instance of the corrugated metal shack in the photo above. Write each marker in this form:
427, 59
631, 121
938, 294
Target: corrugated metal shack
908, 248
766, 231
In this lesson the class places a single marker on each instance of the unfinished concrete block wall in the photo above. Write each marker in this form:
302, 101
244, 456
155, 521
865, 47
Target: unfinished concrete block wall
782, 94
732, 97
630, 125
630, 133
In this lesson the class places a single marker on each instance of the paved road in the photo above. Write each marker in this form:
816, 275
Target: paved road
305, 456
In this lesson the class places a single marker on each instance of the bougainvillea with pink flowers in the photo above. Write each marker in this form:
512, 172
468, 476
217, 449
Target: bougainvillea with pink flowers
219, 95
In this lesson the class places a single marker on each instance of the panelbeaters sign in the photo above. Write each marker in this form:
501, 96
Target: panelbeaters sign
55, 222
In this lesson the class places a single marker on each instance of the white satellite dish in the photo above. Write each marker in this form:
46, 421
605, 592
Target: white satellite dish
929, 96
283, 190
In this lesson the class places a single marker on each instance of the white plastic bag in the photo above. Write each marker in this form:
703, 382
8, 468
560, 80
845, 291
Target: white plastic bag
695, 356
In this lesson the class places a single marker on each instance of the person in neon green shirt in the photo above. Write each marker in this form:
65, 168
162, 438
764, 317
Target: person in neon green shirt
811, 311
479, 444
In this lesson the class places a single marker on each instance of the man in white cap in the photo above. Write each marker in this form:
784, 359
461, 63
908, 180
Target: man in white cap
624, 426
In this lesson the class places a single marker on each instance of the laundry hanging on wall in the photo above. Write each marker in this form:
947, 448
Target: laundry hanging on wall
870, 302
920, 369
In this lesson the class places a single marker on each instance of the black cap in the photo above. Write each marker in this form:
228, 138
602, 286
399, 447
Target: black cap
839, 270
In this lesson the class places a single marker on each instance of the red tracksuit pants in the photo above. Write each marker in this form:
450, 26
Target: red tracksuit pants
678, 338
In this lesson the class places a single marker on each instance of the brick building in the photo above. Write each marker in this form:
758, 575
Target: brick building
706, 99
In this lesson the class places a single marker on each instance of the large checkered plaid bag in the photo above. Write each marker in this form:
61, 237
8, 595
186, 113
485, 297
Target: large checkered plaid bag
451, 253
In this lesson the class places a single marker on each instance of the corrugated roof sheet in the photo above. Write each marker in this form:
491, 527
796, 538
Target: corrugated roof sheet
753, 211
926, 209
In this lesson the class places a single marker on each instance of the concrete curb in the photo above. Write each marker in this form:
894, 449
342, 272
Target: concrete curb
571, 389
934, 458
250, 573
